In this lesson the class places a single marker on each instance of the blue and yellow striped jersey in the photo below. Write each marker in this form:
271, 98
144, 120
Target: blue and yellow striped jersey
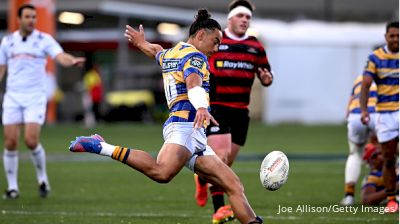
374, 179
177, 64
383, 67
354, 104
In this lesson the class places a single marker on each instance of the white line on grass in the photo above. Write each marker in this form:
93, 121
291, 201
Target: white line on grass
181, 215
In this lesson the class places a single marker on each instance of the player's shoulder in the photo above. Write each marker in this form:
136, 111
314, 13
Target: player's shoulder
189, 51
9, 37
186, 48
254, 42
378, 50
378, 53
40, 35
253, 38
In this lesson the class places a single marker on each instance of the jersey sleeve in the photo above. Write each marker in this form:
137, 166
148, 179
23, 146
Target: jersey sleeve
262, 59
370, 67
52, 47
160, 56
195, 63
3, 54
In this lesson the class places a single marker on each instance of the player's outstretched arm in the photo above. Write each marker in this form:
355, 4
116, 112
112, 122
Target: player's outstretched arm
68, 60
138, 39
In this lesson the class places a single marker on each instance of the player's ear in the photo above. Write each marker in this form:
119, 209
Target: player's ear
201, 34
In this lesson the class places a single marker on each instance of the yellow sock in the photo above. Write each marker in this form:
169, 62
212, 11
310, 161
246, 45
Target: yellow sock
120, 154
349, 189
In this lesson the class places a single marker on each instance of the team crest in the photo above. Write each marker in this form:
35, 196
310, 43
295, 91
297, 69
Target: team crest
197, 62
252, 50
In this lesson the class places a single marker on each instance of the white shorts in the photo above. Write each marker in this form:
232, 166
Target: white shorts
19, 108
195, 140
357, 132
387, 126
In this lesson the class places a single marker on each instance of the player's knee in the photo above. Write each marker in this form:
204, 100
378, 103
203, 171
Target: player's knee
163, 178
10, 143
31, 143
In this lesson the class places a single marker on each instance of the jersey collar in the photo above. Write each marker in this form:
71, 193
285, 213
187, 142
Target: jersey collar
234, 37
386, 49
18, 34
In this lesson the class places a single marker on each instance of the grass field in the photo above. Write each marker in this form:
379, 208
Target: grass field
88, 189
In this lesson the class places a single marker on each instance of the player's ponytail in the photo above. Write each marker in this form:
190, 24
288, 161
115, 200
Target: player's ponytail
203, 21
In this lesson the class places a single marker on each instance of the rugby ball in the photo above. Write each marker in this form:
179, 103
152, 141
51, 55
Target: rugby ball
274, 170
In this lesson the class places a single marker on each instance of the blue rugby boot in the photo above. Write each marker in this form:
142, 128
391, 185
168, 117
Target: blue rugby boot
87, 144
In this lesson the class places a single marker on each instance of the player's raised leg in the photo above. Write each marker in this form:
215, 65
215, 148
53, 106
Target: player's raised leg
219, 174
170, 160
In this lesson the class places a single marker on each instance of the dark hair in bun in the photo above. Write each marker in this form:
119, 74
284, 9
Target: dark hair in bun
203, 21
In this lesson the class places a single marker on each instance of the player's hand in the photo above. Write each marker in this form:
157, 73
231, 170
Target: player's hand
78, 61
365, 117
265, 76
203, 118
133, 36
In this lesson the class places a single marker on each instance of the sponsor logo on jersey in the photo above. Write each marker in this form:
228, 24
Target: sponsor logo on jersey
223, 47
197, 62
170, 65
234, 65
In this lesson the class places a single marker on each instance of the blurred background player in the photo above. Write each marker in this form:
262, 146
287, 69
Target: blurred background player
186, 83
240, 58
357, 135
93, 92
383, 69
24, 54
373, 190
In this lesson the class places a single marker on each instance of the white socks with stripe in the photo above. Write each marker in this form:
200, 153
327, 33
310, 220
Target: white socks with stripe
10, 160
353, 163
38, 157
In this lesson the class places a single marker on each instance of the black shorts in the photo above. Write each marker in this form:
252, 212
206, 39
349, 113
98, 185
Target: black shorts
231, 120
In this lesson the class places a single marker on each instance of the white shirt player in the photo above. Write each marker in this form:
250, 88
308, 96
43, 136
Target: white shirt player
26, 60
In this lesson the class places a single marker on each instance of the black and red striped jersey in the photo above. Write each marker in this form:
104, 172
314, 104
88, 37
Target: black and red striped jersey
233, 69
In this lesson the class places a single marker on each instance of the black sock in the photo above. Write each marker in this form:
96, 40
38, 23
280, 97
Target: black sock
202, 181
217, 199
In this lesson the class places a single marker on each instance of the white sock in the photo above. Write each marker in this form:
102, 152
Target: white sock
106, 149
38, 157
353, 163
10, 160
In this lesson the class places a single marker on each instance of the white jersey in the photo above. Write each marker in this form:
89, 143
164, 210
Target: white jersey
26, 60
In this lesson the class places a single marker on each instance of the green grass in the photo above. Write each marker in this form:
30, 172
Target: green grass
92, 189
